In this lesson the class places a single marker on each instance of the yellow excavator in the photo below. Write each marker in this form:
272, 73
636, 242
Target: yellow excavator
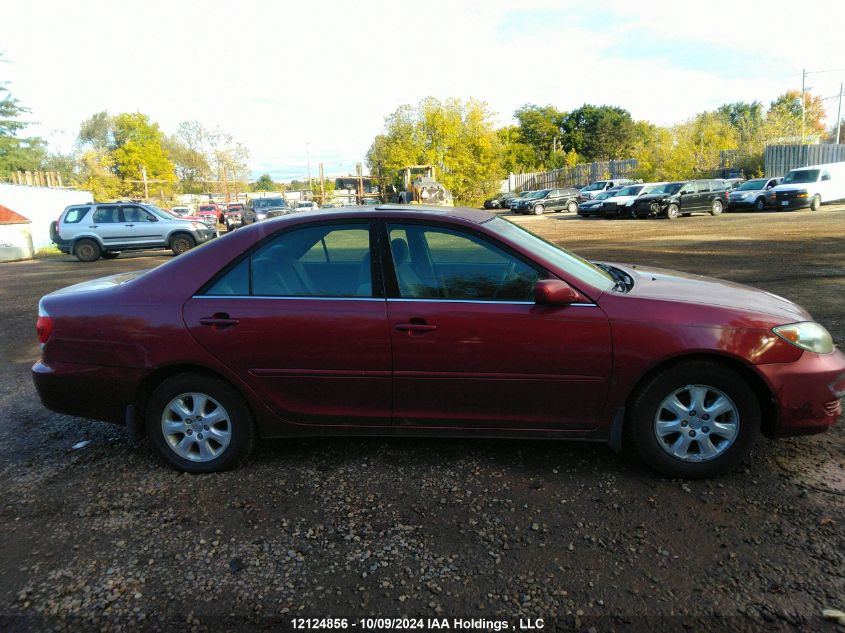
420, 187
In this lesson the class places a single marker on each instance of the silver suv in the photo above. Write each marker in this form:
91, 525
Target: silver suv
91, 231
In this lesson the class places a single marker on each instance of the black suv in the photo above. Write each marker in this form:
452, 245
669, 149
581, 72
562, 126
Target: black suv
683, 198
548, 200
257, 209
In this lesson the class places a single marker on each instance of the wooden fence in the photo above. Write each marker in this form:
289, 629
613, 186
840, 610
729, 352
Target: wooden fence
579, 175
779, 159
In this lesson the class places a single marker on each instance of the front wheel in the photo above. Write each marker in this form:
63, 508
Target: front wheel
538, 209
816, 203
672, 211
760, 204
572, 207
181, 243
199, 424
716, 207
695, 419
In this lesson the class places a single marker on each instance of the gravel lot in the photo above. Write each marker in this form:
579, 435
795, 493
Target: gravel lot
106, 537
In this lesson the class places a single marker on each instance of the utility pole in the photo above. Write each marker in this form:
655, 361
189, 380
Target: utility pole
839, 115
144, 178
359, 170
308, 158
803, 104
322, 187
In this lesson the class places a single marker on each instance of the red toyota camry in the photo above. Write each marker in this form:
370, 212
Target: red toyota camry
390, 321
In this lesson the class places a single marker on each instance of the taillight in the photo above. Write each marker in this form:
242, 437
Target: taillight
43, 326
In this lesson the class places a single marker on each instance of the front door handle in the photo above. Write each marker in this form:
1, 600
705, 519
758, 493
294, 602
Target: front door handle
93, 226
219, 320
415, 327
129, 225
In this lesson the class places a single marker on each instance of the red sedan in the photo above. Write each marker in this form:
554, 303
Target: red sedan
391, 321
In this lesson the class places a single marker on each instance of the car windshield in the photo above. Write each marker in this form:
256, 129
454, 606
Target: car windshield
263, 203
752, 185
670, 188
801, 175
595, 186
164, 215
630, 190
571, 263
604, 195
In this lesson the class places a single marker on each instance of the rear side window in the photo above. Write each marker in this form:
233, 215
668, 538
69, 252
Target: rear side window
72, 216
107, 215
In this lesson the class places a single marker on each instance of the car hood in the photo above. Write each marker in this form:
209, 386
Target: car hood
655, 196
799, 186
746, 192
674, 286
621, 199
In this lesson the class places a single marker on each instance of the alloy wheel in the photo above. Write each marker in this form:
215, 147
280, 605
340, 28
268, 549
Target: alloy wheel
196, 427
696, 423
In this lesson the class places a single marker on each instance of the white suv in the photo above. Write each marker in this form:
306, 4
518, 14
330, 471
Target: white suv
91, 231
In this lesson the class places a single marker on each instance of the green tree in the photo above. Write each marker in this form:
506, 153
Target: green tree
540, 127
16, 152
139, 146
95, 173
264, 183
517, 157
599, 132
455, 136
783, 119
317, 193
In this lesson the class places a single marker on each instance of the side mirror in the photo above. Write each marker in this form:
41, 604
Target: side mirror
554, 292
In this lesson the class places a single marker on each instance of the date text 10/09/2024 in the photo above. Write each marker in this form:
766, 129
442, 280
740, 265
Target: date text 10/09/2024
415, 624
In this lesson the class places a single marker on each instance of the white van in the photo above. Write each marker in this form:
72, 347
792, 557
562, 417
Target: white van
809, 187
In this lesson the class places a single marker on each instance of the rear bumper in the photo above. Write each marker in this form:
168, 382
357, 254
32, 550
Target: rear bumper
808, 392
88, 391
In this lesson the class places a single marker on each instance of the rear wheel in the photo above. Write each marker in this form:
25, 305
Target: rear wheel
111, 254
538, 209
695, 419
181, 243
86, 250
716, 207
672, 211
816, 203
199, 424
572, 207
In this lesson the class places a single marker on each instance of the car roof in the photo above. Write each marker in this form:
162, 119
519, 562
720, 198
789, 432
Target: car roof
417, 212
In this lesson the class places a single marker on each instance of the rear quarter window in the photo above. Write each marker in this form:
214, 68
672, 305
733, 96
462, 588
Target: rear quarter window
72, 216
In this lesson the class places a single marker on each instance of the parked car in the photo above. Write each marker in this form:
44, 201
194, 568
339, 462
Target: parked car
306, 205
390, 321
555, 200
809, 187
369, 202
181, 211
592, 207
592, 190
499, 201
732, 183
683, 198
90, 231
233, 216
511, 202
622, 204
257, 209
210, 213
751, 194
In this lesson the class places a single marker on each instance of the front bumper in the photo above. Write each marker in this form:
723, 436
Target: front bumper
651, 211
808, 392
792, 203
204, 235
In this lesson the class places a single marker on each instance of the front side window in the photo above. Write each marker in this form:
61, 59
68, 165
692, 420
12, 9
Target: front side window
107, 215
137, 214
321, 261
438, 263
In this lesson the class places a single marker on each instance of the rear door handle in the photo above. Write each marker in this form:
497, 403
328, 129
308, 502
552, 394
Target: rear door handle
92, 226
219, 320
129, 225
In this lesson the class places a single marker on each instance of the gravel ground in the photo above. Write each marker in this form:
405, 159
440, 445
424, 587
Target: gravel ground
107, 538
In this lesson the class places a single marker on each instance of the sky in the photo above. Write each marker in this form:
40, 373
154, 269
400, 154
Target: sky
311, 81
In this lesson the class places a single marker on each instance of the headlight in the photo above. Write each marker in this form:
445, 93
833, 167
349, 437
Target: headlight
630, 203
801, 194
807, 335
744, 196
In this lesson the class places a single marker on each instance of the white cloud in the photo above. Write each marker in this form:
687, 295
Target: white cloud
280, 75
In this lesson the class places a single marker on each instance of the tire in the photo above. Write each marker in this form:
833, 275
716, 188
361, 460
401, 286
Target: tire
227, 442
815, 203
181, 243
111, 254
87, 250
717, 207
739, 423
760, 204
672, 211
572, 207
538, 209
53, 232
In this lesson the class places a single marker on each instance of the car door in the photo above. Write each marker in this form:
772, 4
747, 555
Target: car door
472, 350
704, 195
107, 223
142, 227
299, 321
